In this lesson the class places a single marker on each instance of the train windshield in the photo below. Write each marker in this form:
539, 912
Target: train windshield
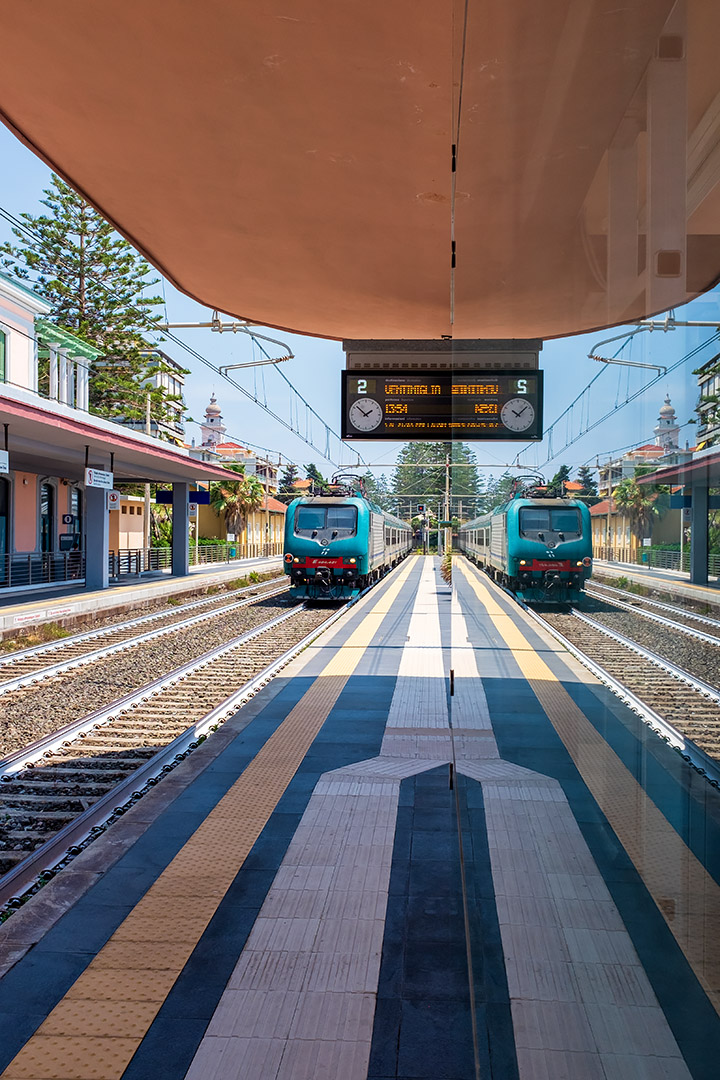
337, 520
537, 519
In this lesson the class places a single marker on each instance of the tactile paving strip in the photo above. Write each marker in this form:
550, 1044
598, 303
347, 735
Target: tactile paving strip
665, 863
159, 935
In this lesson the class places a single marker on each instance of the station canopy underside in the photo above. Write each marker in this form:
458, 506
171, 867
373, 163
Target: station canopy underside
292, 163
43, 442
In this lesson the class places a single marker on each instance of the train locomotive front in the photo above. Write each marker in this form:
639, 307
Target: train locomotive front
337, 545
540, 548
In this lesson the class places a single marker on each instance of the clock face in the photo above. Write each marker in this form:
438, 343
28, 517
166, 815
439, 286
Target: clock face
365, 414
517, 414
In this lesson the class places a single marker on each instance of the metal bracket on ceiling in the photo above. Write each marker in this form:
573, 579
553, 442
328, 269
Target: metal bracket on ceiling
236, 327
593, 355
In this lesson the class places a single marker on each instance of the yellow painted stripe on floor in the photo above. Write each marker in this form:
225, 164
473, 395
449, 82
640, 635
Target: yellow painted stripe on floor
93, 1033
686, 895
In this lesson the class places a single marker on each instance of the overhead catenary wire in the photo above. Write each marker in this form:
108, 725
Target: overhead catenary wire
630, 397
145, 320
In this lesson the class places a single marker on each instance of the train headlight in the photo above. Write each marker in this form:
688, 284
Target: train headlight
523, 562
296, 559
587, 561
579, 562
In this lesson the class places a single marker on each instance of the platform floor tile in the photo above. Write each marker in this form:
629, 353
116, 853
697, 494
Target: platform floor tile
161, 932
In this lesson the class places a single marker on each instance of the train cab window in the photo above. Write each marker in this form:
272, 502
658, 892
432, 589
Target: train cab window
535, 520
342, 518
565, 521
338, 520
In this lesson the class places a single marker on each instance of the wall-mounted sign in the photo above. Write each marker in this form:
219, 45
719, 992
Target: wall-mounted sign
4, 461
67, 519
442, 405
98, 478
192, 509
113, 500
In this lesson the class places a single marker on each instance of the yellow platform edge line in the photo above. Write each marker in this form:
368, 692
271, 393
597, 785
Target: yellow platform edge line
686, 895
217, 848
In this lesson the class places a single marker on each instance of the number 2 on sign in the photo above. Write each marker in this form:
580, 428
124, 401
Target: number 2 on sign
362, 386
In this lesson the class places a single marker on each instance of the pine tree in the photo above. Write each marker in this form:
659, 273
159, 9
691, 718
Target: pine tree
376, 490
97, 285
499, 491
420, 478
288, 479
555, 488
589, 491
319, 483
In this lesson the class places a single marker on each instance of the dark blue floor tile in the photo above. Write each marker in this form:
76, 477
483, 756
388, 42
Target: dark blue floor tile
435, 1040
167, 1050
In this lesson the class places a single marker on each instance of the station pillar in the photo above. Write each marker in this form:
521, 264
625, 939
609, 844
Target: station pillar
180, 530
97, 539
699, 534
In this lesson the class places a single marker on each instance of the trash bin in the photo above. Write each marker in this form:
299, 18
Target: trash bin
232, 553
645, 556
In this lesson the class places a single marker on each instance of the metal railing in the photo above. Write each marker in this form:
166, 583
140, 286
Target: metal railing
21, 569
660, 560
145, 560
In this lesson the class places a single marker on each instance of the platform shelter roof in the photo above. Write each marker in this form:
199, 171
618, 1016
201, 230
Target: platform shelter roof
52, 438
397, 170
702, 468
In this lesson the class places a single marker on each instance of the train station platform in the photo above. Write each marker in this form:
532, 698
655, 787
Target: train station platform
371, 872
35, 608
675, 583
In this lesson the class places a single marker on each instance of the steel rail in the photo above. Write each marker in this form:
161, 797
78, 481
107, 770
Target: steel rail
669, 623
87, 635
128, 643
33, 754
672, 669
22, 876
91, 823
657, 603
689, 750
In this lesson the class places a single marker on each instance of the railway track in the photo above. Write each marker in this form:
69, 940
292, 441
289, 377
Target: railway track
60, 791
684, 709
27, 666
699, 626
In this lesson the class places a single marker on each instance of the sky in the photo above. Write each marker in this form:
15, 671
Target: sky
315, 372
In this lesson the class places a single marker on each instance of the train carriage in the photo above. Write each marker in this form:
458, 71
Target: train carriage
336, 545
540, 548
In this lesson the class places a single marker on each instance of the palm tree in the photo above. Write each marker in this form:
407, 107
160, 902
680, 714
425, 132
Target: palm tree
643, 503
235, 499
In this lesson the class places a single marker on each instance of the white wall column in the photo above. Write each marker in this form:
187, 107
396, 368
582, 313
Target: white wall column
63, 377
83, 385
54, 373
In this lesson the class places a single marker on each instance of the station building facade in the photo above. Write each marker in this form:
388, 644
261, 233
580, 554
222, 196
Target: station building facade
54, 528
614, 535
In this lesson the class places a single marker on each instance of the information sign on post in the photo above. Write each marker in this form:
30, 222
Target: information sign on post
192, 509
4, 461
440, 405
113, 500
98, 478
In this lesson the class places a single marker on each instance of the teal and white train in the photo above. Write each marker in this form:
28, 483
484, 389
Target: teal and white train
539, 548
335, 546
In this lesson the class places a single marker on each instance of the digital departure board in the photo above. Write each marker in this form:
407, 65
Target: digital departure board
426, 405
